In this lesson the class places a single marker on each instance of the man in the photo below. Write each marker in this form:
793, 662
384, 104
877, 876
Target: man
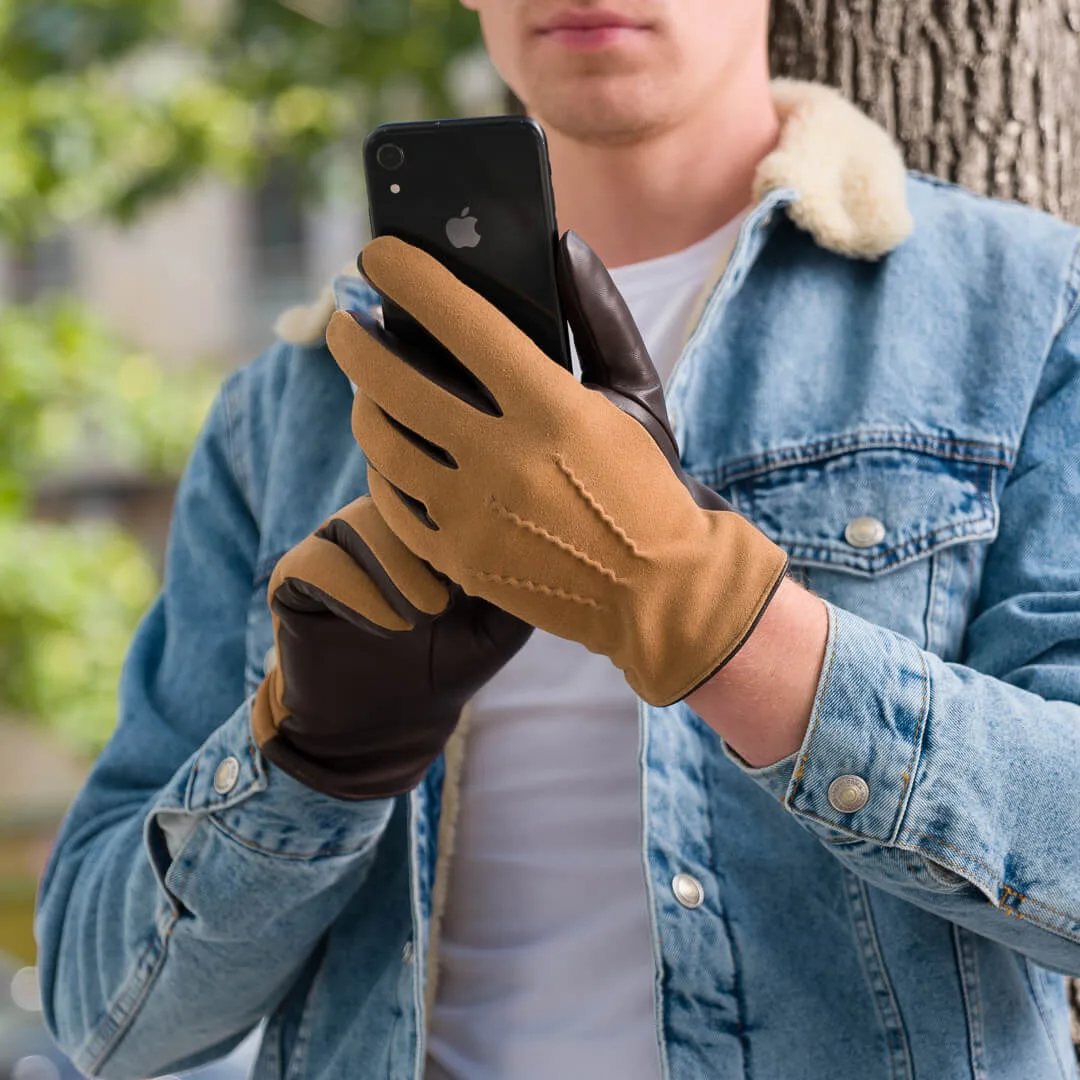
827, 830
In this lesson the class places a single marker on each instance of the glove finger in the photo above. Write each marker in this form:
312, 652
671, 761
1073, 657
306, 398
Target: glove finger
395, 453
365, 410
432, 359
494, 349
399, 386
614, 359
609, 344
408, 520
317, 574
406, 582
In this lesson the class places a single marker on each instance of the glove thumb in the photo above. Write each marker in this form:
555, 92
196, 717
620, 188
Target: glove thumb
614, 360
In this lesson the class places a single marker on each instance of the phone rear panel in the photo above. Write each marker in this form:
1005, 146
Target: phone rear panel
476, 194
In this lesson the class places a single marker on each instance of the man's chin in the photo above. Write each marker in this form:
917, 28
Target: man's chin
598, 118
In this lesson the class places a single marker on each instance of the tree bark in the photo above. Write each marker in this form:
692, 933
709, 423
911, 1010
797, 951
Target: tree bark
985, 93
980, 92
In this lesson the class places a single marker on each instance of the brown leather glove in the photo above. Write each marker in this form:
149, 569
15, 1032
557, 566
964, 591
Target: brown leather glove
563, 505
376, 658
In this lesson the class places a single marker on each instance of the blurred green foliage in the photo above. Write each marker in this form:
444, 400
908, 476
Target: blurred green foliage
70, 598
107, 105
74, 400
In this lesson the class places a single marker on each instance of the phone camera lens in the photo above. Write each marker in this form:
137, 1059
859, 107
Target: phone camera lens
390, 156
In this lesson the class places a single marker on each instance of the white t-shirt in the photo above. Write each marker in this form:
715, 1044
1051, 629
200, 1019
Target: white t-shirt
545, 961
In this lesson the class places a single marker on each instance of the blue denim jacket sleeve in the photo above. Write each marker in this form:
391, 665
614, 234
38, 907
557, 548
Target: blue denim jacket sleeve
973, 769
152, 961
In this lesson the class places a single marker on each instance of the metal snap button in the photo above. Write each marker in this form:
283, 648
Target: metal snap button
226, 775
848, 794
688, 890
270, 660
865, 532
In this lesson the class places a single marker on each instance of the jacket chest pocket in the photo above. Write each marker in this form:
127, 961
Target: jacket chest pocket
897, 536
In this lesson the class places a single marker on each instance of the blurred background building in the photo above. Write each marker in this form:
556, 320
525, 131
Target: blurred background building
229, 258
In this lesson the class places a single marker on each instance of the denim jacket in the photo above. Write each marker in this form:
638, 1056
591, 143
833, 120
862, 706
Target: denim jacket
886, 380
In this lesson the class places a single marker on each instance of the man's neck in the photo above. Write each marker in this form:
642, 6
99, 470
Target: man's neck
636, 202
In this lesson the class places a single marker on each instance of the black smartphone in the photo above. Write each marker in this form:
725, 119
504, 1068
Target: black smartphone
475, 194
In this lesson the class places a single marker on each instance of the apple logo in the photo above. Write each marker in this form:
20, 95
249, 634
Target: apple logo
461, 231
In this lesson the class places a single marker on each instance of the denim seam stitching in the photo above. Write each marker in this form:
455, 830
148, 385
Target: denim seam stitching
240, 475
902, 843
305, 1027
1007, 909
916, 544
725, 922
870, 948
916, 748
969, 991
800, 768
969, 586
252, 845
933, 592
1008, 890
945, 446
1039, 1005
941, 446
121, 1023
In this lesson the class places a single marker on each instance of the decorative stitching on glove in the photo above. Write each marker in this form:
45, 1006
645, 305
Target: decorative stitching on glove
562, 545
593, 502
534, 586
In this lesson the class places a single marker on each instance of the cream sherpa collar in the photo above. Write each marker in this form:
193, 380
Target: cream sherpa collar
845, 171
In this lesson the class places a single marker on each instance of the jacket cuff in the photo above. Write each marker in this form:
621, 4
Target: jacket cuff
230, 785
853, 774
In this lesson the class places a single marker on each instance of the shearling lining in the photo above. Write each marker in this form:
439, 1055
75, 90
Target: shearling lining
847, 171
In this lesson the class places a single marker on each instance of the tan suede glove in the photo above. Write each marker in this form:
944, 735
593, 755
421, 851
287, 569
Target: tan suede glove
540, 494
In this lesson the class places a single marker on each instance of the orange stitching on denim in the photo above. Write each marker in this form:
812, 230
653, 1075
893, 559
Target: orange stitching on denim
916, 742
1009, 909
1046, 907
924, 711
1007, 889
958, 869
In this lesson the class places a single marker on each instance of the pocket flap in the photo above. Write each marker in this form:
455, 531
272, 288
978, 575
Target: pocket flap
872, 510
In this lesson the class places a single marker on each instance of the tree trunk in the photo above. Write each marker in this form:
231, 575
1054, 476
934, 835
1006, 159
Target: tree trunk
981, 92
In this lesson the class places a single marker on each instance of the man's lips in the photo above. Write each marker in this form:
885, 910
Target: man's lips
590, 30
